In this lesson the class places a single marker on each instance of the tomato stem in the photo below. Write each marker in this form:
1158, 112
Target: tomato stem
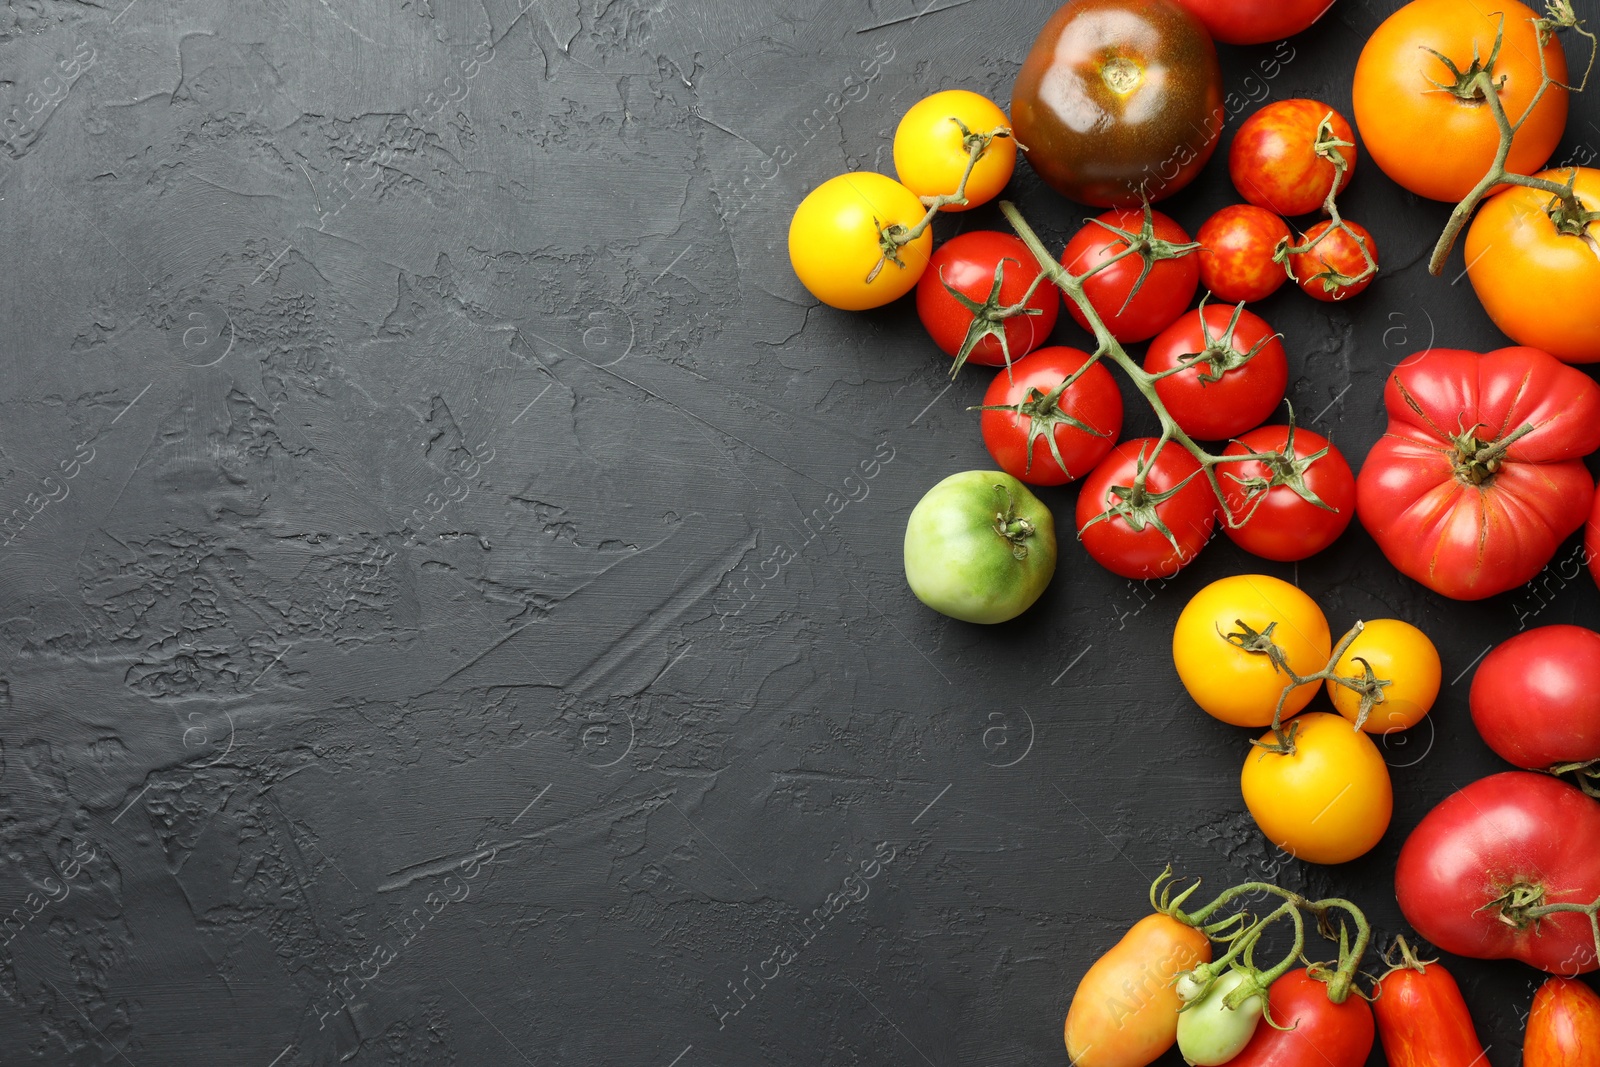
1588, 775
1328, 146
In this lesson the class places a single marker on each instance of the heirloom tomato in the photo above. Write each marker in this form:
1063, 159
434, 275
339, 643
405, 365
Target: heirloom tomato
1236, 247
1149, 531
1399, 653
1125, 1012
835, 241
1480, 475
1334, 256
978, 265
1420, 116
1477, 872
1164, 292
1293, 505
1044, 431
980, 547
1328, 799
1211, 1033
1422, 1019
1256, 21
1235, 384
1319, 1032
931, 149
1563, 1026
1273, 159
1536, 698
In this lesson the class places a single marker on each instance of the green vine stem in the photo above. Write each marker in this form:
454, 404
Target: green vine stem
1587, 773
1522, 906
1327, 146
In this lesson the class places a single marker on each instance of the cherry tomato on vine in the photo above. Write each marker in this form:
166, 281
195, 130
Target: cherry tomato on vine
1563, 1026
835, 243
1151, 531
1234, 386
1424, 125
1229, 682
1326, 800
931, 150
1334, 256
1319, 1032
1397, 652
1105, 1026
970, 263
1236, 246
1273, 160
1422, 1019
1042, 433
1165, 291
1275, 503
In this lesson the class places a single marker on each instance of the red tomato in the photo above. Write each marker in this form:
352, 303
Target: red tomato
1274, 163
1473, 874
1256, 21
1323, 270
1166, 290
1238, 383
1536, 698
971, 263
1320, 1033
1236, 246
1272, 502
1563, 1026
1153, 533
1041, 430
1422, 1019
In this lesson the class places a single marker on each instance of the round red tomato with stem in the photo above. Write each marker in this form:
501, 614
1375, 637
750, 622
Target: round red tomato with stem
1507, 868
1479, 476
1563, 1026
1053, 417
981, 299
1536, 700
1334, 265
1293, 505
1422, 1018
1222, 370
1274, 160
1256, 21
1143, 513
1145, 289
1317, 1032
1236, 249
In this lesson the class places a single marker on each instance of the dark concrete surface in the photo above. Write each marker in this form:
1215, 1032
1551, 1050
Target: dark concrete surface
412, 651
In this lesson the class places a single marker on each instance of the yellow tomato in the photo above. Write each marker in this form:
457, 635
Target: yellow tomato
835, 242
1327, 801
1237, 686
1400, 653
930, 151
1125, 1012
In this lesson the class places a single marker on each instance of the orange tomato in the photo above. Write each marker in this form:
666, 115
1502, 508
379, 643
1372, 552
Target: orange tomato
1401, 654
1428, 138
1564, 1026
1125, 1011
1328, 801
1537, 284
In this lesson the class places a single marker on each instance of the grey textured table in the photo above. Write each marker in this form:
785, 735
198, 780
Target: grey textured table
412, 649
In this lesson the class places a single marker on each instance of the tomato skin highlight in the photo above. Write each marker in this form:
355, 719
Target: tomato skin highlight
967, 262
834, 243
1535, 698
1563, 1026
1273, 161
1190, 514
1423, 1020
960, 565
1321, 1034
1236, 253
1282, 525
1330, 800
1243, 397
1093, 400
1124, 1012
930, 153
1166, 291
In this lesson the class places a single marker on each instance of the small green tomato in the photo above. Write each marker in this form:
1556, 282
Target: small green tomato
980, 547
1211, 1033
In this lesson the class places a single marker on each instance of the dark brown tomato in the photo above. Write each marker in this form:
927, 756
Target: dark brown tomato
1119, 96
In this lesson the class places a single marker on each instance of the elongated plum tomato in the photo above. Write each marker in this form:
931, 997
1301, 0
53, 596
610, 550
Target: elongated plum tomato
1273, 159
1329, 800
1118, 98
1425, 125
1125, 1012
1268, 498
1236, 247
980, 547
1564, 1026
835, 242
1256, 21
1164, 293
968, 264
1210, 1032
1319, 1032
930, 148
1234, 386
1537, 282
1423, 1020
1536, 698
1152, 531
1044, 432
1399, 653
1228, 681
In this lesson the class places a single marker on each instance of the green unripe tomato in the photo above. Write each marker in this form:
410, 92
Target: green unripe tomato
980, 547
1211, 1033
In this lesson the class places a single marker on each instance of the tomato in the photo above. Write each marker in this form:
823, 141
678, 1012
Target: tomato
970, 263
1256, 21
1419, 121
1329, 800
1564, 1026
1320, 1033
1162, 296
1044, 432
1536, 282
1536, 697
1151, 532
1453, 497
1118, 98
835, 242
1473, 874
1324, 270
980, 547
1243, 687
1237, 382
1275, 502
1211, 1033
1401, 654
1273, 159
1236, 246
1422, 1019
1124, 1012
931, 149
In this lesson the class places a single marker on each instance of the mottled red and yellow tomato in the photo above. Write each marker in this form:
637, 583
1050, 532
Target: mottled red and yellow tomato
1236, 247
1274, 162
